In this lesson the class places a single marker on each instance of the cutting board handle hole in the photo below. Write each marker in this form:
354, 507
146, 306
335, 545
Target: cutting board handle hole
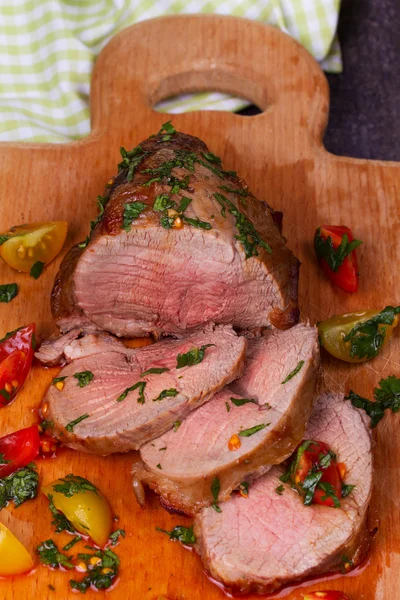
207, 100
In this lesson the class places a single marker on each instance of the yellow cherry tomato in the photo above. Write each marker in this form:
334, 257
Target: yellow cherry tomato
24, 245
84, 505
14, 557
365, 343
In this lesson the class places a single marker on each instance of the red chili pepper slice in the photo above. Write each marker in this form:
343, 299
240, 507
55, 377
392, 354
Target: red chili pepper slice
18, 449
16, 354
336, 256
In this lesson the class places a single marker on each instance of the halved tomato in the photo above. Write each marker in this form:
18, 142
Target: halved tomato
16, 353
24, 245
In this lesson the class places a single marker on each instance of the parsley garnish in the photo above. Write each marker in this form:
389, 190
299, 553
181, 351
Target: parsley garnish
293, 467
114, 537
215, 489
309, 486
131, 212
58, 379
181, 534
72, 543
46, 425
171, 393
367, 337
197, 223
70, 426
155, 371
329, 493
280, 489
4, 238
294, 372
74, 484
334, 256
228, 406
184, 203
163, 202
194, 356
387, 397
248, 236
49, 555
326, 459
347, 489
241, 401
140, 385
8, 292
244, 488
3, 460
84, 378
6, 396
19, 486
177, 424
168, 130
159, 466
101, 576
252, 430
131, 159
36, 269
60, 521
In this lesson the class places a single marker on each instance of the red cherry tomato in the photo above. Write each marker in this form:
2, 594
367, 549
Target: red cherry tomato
16, 354
329, 595
346, 276
18, 449
312, 457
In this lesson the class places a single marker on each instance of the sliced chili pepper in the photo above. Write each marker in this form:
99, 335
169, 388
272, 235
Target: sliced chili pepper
335, 247
16, 354
18, 449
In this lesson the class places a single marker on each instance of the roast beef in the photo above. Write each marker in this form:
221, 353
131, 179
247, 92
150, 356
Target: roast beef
96, 412
203, 448
179, 242
267, 540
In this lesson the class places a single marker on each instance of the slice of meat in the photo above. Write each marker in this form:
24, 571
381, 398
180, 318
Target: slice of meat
223, 260
51, 352
107, 423
265, 541
203, 447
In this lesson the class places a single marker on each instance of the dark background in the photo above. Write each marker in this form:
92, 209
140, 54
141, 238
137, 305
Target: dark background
364, 118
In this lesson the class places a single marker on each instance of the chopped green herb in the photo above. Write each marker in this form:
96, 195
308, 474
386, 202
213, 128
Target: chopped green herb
46, 425
171, 393
228, 406
181, 534
197, 223
294, 372
84, 378
58, 379
140, 385
9, 334
194, 356
36, 269
168, 130
295, 463
177, 424
212, 157
60, 521
280, 489
131, 159
131, 212
70, 426
241, 401
326, 459
309, 486
387, 397
215, 488
248, 236
184, 203
243, 194
216, 507
3, 460
165, 447
253, 430
6, 395
334, 256
4, 238
114, 537
346, 564
49, 555
74, 484
244, 488
347, 489
159, 466
8, 292
101, 575
20, 486
329, 493
367, 337
162, 202
155, 371
72, 543
166, 222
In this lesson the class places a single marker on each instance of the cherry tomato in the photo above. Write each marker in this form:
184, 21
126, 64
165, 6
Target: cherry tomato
344, 276
33, 242
18, 449
16, 353
14, 557
329, 595
333, 331
310, 458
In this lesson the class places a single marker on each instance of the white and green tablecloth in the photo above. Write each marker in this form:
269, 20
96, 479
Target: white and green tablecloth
48, 47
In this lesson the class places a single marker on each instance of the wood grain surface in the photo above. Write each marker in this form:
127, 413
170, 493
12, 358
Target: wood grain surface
280, 154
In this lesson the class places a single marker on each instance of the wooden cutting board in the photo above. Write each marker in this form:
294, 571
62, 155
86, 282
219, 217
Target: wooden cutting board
280, 154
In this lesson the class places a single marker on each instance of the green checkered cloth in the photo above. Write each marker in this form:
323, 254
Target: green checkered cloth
48, 47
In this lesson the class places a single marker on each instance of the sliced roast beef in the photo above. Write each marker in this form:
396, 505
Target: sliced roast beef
267, 540
114, 399
233, 439
179, 242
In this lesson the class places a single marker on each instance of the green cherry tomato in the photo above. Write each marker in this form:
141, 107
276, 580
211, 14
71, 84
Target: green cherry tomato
333, 332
